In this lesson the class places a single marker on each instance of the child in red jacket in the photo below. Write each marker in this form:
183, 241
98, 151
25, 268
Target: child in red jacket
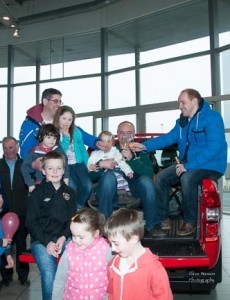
134, 272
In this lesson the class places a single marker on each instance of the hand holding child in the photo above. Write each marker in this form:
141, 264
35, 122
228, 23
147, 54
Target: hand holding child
10, 262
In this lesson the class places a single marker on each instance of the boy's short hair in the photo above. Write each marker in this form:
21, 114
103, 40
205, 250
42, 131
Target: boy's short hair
48, 130
126, 222
52, 155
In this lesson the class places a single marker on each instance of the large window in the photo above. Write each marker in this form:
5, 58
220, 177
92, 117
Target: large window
122, 90
24, 98
163, 83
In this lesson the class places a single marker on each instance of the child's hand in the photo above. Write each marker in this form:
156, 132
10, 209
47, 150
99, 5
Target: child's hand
93, 167
5, 242
51, 249
130, 175
37, 164
65, 130
66, 180
31, 188
1, 201
10, 262
59, 244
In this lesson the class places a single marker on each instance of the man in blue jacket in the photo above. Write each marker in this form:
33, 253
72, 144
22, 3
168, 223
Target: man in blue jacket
43, 113
199, 135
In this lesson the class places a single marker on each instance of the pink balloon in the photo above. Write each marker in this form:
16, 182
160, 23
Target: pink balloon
10, 223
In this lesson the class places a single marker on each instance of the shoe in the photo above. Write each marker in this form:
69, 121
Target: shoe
186, 229
166, 224
5, 282
157, 231
25, 282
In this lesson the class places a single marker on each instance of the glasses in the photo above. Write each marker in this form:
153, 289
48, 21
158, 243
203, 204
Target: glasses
56, 101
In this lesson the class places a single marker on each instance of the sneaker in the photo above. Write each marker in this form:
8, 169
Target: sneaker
186, 229
157, 231
166, 224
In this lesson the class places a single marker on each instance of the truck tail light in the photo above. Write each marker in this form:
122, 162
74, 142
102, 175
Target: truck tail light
212, 232
212, 214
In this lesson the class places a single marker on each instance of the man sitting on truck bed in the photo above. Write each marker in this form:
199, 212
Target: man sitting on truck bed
140, 185
199, 135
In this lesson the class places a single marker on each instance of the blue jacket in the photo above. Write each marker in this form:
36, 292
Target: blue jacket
30, 127
201, 141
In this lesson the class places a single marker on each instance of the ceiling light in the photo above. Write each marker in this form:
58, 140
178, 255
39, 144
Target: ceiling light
16, 33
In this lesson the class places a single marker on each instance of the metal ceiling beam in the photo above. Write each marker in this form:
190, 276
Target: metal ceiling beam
65, 11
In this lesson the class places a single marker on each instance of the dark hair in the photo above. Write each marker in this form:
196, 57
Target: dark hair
126, 222
92, 217
192, 94
48, 130
60, 111
48, 93
52, 155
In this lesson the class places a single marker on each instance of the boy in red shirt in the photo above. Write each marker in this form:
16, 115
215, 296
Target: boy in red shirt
134, 272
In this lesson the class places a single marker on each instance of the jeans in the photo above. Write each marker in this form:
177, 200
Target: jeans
189, 181
47, 265
140, 187
81, 183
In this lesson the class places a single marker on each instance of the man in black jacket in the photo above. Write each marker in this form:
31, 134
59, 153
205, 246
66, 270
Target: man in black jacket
15, 200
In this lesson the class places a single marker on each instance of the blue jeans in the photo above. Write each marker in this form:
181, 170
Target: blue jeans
47, 265
140, 187
189, 181
80, 182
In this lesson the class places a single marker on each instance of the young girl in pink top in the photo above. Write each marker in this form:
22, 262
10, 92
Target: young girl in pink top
82, 270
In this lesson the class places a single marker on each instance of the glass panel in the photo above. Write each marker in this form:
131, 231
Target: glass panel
82, 67
120, 49
121, 61
189, 47
24, 98
162, 121
223, 22
115, 121
164, 82
3, 114
83, 95
25, 63
3, 65
122, 90
225, 72
82, 54
86, 123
